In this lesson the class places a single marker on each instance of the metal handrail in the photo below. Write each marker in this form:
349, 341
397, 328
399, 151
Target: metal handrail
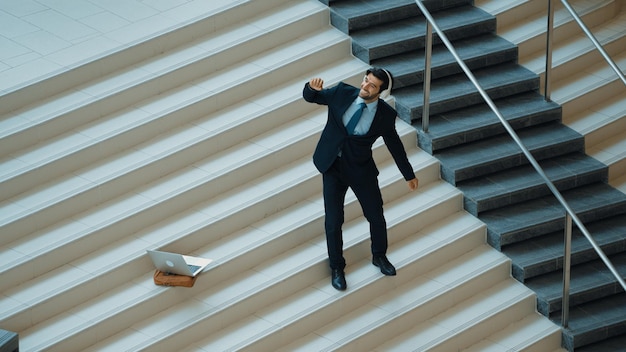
547, 92
570, 214
589, 35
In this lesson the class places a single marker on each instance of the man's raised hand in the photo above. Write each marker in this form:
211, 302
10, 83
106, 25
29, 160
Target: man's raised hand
316, 83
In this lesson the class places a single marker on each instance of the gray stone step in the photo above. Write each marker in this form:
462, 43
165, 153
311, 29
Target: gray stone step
477, 52
595, 321
523, 183
593, 288
590, 281
457, 91
350, 15
611, 344
479, 121
544, 215
408, 34
501, 152
544, 254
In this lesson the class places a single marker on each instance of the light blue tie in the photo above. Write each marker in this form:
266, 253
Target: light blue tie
354, 120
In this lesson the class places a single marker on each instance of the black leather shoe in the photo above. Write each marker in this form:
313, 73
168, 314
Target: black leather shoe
385, 267
338, 279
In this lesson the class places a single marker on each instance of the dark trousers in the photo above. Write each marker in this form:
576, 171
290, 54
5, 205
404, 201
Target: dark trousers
368, 194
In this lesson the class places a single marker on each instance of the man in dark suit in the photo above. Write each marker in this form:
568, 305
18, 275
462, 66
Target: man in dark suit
344, 157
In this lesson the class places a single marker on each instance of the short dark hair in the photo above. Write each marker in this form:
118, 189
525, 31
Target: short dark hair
381, 74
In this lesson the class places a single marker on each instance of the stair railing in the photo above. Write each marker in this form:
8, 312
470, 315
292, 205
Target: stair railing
588, 33
547, 92
570, 214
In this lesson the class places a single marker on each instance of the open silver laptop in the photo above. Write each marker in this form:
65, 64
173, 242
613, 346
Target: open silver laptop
174, 263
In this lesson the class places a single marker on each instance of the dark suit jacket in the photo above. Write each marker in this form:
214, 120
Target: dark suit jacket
356, 150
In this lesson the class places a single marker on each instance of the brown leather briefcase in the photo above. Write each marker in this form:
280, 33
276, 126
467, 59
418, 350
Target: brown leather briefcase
165, 279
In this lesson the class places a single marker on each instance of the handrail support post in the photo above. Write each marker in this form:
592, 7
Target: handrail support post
427, 76
567, 255
549, 32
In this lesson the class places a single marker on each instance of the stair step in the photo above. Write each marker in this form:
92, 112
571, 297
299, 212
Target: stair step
369, 300
225, 298
457, 91
92, 164
523, 183
408, 34
351, 15
488, 311
140, 39
603, 121
477, 52
119, 173
127, 170
590, 281
63, 111
107, 178
612, 152
120, 261
530, 29
586, 89
146, 119
204, 222
545, 254
175, 192
499, 153
619, 182
533, 333
576, 53
479, 121
595, 321
610, 344
544, 215
510, 12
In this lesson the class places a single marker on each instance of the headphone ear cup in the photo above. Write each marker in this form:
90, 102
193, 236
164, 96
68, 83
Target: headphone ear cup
387, 92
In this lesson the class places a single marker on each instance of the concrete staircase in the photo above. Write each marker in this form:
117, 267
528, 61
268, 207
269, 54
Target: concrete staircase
591, 94
477, 155
593, 100
197, 141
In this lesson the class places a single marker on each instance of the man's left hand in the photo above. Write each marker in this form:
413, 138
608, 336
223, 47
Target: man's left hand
413, 184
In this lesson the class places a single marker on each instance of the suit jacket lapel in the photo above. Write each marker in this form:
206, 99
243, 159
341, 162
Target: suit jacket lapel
345, 104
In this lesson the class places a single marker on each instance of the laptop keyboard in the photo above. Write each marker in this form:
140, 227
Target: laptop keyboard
193, 268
